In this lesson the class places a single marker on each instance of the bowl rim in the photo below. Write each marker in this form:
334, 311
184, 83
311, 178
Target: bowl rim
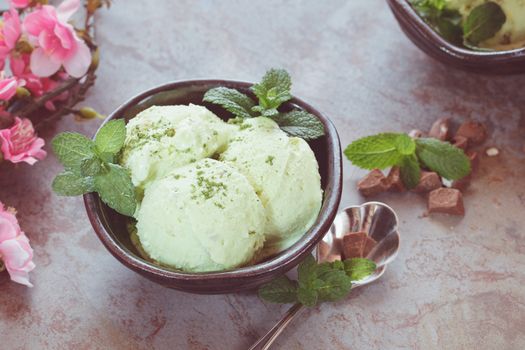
292, 256
407, 15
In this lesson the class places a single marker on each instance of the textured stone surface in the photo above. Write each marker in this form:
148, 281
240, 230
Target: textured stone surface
457, 282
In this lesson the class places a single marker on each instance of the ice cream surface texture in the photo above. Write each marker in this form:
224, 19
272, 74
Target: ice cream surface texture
284, 173
218, 195
202, 217
162, 138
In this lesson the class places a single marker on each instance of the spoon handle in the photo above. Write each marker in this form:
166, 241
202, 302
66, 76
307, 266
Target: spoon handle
267, 340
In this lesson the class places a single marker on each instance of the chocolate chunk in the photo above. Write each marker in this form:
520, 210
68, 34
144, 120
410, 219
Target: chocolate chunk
440, 129
373, 183
415, 134
462, 184
474, 160
428, 181
357, 245
446, 200
325, 252
460, 142
393, 180
475, 132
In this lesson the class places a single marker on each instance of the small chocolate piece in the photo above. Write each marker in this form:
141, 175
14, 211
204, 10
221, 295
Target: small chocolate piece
357, 245
393, 180
325, 253
474, 160
446, 200
460, 142
373, 183
462, 184
440, 129
475, 132
415, 134
428, 181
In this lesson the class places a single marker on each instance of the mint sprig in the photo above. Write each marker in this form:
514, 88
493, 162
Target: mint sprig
271, 93
392, 149
317, 282
89, 167
232, 100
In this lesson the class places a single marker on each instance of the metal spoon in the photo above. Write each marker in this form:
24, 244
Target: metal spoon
379, 221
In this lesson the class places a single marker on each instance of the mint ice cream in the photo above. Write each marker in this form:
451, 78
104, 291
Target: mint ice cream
201, 217
162, 138
284, 173
217, 196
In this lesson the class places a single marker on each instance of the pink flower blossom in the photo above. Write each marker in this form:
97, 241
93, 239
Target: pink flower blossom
10, 32
56, 40
20, 4
15, 250
8, 88
20, 143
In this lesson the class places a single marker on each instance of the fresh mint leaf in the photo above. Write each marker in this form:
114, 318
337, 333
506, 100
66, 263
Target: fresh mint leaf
405, 145
335, 285
359, 268
280, 290
90, 166
116, 189
448, 161
375, 152
445, 21
307, 271
483, 22
410, 171
308, 282
307, 296
110, 138
300, 124
69, 183
71, 149
232, 100
274, 89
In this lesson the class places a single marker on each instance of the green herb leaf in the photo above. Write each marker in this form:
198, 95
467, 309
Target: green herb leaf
90, 166
280, 290
335, 285
110, 138
410, 171
69, 183
359, 268
300, 124
232, 100
483, 22
375, 152
71, 148
448, 161
405, 144
274, 89
116, 189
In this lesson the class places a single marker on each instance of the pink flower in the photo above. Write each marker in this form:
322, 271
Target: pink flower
36, 85
8, 88
20, 4
15, 250
10, 32
57, 43
20, 144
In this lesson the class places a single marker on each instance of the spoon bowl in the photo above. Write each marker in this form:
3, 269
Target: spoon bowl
379, 222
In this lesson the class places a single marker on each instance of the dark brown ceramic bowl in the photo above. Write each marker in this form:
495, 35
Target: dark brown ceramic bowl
428, 40
111, 226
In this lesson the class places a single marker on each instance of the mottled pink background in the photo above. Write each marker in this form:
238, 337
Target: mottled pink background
457, 282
